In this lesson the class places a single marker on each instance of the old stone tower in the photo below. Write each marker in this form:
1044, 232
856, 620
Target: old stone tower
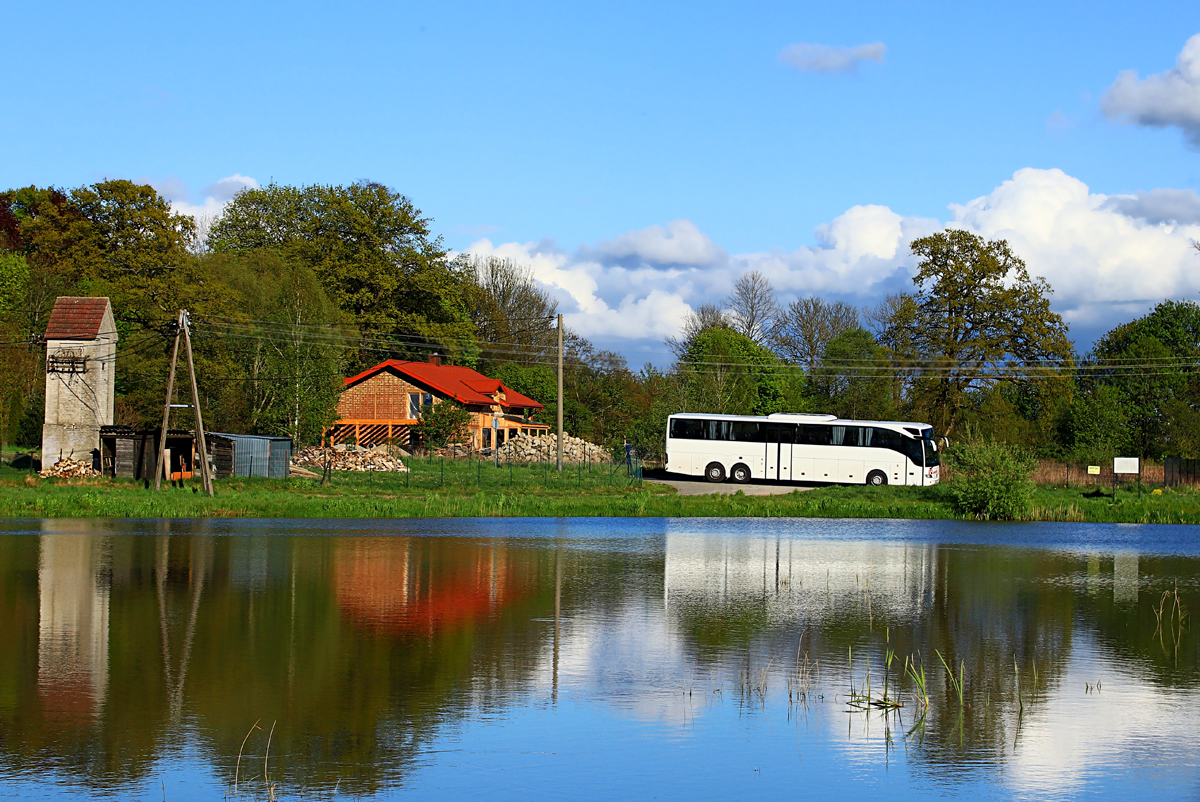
81, 351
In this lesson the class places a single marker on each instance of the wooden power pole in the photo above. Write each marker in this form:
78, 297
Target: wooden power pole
560, 393
182, 329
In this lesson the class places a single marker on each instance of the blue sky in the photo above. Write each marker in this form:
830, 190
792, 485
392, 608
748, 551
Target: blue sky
565, 134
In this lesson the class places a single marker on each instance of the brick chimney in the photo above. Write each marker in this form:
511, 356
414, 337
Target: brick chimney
434, 359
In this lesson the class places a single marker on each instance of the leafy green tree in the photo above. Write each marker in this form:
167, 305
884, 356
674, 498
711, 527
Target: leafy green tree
372, 251
442, 424
853, 379
1150, 364
727, 372
14, 275
293, 366
977, 312
1094, 426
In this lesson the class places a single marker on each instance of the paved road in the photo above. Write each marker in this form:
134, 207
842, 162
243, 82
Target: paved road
702, 487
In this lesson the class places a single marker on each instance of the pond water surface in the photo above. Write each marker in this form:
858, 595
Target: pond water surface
597, 659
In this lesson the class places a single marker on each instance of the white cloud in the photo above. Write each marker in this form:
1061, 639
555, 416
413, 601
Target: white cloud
678, 243
807, 57
1169, 99
1108, 258
214, 196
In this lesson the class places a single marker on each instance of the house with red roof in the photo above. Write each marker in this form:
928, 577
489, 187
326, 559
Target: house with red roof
383, 403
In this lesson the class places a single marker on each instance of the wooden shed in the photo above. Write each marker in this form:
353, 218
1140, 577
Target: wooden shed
132, 453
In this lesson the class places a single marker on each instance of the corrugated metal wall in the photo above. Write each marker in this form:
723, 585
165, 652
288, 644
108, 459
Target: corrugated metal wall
254, 455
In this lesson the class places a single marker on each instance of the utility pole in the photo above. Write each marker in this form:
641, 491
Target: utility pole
162, 435
201, 441
182, 326
560, 393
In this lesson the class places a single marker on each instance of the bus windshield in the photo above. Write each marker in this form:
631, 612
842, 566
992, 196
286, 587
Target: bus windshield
931, 449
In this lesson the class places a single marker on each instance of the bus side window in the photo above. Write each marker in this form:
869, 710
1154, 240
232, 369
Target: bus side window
685, 429
746, 432
886, 438
813, 435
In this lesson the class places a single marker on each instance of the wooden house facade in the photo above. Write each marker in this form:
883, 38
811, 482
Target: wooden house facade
382, 404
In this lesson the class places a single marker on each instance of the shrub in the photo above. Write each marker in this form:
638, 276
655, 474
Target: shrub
991, 479
443, 423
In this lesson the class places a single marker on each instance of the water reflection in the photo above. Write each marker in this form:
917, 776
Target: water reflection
371, 653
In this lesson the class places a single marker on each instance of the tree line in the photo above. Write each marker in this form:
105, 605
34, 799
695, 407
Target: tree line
293, 288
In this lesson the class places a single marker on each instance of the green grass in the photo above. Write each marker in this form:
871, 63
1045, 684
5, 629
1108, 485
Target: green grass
469, 489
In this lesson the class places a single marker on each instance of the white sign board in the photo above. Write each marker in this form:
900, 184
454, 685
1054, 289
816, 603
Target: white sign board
1125, 465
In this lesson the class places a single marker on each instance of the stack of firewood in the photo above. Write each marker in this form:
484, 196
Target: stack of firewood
69, 469
346, 460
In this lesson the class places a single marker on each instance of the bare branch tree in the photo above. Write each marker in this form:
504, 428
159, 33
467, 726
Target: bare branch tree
698, 321
511, 311
807, 325
1196, 244
753, 309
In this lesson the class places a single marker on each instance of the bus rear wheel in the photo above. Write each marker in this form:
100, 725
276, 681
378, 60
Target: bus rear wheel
715, 472
740, 474
877, 478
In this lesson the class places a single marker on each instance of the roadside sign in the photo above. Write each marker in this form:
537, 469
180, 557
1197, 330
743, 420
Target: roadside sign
1125, 465
1093, 470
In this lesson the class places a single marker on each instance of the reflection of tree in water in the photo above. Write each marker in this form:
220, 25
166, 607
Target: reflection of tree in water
362, 650
741, 605
1125, 621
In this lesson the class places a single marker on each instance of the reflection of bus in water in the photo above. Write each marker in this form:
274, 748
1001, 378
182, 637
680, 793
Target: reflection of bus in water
801, 448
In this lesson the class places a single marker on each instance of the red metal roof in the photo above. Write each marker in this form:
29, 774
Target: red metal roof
76, 318
462, 384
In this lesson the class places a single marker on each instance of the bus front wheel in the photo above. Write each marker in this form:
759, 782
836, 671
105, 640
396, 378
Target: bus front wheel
715, 472
740, 474
876, 478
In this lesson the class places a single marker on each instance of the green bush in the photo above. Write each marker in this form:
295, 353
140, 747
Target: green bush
443, 423
990, 480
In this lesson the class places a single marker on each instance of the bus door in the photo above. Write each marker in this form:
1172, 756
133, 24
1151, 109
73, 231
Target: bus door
778, 457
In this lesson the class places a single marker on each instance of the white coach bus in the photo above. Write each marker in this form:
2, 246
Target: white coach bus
801, 448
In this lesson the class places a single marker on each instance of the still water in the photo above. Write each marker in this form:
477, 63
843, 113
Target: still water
597, 659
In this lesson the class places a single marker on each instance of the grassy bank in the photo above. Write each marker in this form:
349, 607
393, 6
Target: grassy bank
467, 489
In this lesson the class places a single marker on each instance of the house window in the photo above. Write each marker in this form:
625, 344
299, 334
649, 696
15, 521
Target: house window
416, 401
487, 438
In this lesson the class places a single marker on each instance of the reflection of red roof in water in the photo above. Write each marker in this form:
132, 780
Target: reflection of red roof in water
394, 584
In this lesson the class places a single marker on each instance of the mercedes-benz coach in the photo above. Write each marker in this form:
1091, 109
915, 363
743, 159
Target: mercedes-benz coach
801, 448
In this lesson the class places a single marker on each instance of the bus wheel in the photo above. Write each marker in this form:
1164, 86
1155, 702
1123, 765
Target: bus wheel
715, 472
876, 478
740, 474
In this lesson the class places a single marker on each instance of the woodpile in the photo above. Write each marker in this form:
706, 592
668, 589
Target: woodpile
347, 459
69, 469
524, 448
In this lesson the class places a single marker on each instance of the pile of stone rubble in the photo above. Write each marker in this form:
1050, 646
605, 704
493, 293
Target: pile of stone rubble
524, 448
69, 469
348, 459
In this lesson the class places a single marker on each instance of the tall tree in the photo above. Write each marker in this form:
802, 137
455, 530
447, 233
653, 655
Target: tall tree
977, 315
753, 308
807, 326
514, 317
854, 378
726, 372
374, 254
696, 322
1151, 364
